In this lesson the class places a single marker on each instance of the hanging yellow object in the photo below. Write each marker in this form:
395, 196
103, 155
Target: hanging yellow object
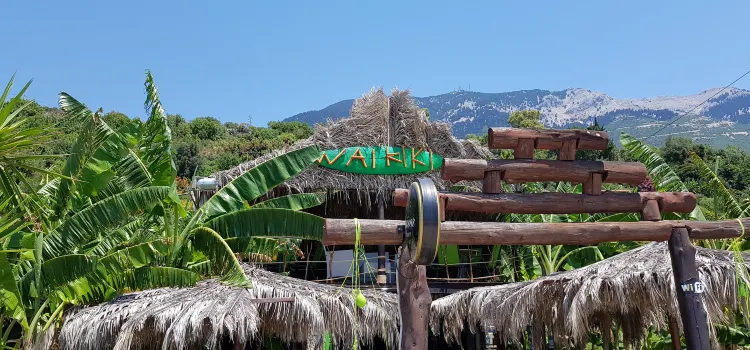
359, 298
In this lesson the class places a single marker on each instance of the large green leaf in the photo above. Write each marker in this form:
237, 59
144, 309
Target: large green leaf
137, 256
10, 298
293, 201
157, 277
258, 181
157, 138
732, 207
223, 261
662, 175
269, 223
94, 132
112, 212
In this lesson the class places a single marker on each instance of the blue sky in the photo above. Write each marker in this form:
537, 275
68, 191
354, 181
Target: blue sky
273, 59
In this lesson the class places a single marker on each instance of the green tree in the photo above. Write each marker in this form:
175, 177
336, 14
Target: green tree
187, 159
115, 119
527, 119
207, 128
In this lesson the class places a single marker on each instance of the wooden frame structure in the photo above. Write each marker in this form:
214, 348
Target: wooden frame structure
412, 283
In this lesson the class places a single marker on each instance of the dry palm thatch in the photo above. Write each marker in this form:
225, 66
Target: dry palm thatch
632, 291
375, 120
211, 312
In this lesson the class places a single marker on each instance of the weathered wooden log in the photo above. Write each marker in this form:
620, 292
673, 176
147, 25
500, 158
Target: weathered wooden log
559, 203
507, 138
374, 232
524, 170
414, 300
689, 290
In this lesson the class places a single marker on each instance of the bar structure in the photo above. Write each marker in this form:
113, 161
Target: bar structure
559, 203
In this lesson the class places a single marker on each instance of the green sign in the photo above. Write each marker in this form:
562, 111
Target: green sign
381, 160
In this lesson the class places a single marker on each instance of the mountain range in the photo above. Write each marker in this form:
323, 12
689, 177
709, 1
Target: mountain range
720, 120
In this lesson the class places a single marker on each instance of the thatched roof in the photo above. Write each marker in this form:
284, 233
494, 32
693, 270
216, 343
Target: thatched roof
632, 291
375, 120
210, 312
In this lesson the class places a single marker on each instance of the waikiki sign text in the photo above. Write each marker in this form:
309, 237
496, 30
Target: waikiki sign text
381, 160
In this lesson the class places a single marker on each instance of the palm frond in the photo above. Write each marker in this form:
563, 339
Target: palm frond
664, 178
223, 261
258, 181
85, 225
293, 201
10, 297
731, 205
157, 138
269, 223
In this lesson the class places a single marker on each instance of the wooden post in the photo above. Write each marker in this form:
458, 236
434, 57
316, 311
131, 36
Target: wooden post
381, 277
414, 301
593, 185
674, 333
524, 149
492, 182
689, 290
567, 150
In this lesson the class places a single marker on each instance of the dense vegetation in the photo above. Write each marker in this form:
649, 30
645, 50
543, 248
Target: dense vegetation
201, 146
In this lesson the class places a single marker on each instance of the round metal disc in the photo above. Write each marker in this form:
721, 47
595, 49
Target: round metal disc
423, 220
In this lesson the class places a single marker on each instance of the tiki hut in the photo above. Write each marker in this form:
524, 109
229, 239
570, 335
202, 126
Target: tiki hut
213, 315
375, 120
630, 291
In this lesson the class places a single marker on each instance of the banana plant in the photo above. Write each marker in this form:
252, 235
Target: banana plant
664, 178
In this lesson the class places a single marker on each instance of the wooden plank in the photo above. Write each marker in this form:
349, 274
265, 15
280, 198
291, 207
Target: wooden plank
492, 182
507, 138
374, 232
689, 290
520, 171
559, 203
414, 301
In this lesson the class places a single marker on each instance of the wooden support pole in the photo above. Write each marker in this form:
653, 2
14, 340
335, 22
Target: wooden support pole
674, 333
374, 232
508, 138
381, 278
689, 290
593, 186
414, 301
492, 182
560, 203
651, 211
537, 170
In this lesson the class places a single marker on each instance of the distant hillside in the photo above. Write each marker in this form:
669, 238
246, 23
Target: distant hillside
721, 121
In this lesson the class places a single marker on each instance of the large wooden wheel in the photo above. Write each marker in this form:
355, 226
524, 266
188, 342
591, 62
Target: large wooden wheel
423, 220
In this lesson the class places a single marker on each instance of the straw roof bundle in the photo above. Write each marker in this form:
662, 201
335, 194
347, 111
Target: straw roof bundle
376, 120
632, 291
211, 312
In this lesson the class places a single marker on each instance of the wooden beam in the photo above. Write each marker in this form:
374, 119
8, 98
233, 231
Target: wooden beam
414, 300
374, 232
520, 171
559, 203
689, 290
508, 138
524, 149
593, 185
